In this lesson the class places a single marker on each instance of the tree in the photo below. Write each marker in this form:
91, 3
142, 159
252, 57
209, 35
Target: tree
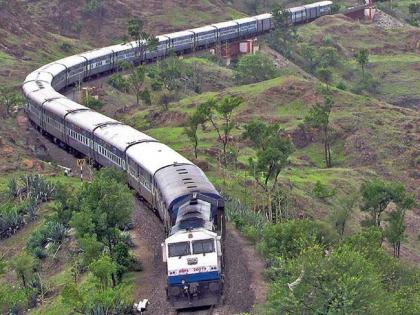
9, 99
136, 81
325, 75
104, 270
23, 265
341, 214
309, 53
255, 68
362, 58
143, 40
220, 114
376, 196
328, 57
413, 8
285, 32
193, 122
319, 117
273, 151
395, 231
105, 206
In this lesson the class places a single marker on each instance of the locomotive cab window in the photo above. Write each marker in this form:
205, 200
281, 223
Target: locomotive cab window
179, 249
203, 246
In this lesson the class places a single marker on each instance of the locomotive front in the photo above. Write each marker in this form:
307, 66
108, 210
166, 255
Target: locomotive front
194, 268
193, 252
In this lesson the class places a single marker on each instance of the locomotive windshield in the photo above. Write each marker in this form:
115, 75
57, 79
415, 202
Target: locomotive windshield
203, 246
179, 249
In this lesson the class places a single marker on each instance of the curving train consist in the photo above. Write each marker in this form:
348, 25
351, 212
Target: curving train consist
190, 207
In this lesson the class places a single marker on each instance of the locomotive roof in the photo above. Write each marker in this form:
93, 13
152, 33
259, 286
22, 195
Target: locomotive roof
179, 180
153, 156
120, 136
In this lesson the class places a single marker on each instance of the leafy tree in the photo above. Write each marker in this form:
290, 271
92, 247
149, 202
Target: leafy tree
91, 248
173, 73
395, 231
105, 206
104, 270
325, 75
309, 53
328, 57
413, 9
143, 40
285, 32
319, 117
220, 114
341, 214
273, 151
362, 58
376, 196
136, 82
255, 68
23, 265
193, 122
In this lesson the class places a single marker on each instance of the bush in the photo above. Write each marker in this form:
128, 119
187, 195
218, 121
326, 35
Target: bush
251, 233
341, 85
52, 231
289, 239
66, 47
118, 82
92, 102
322, 191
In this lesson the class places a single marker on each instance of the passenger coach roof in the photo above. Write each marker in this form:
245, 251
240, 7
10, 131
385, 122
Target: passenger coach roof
180, 180
152, 156
62, 106
121, 136
318, 4
88, 120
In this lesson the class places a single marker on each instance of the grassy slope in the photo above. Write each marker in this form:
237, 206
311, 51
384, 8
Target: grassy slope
394, 59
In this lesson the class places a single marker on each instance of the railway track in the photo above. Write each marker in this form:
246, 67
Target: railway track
201, 311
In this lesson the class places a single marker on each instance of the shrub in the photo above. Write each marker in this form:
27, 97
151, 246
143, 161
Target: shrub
322, 191
289, 239
118, 82
342, 86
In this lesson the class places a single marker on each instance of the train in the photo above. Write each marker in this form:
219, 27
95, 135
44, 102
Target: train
191, 209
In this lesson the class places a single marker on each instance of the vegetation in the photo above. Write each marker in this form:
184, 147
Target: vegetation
255, 68
319, 117
143, 40
284, 35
